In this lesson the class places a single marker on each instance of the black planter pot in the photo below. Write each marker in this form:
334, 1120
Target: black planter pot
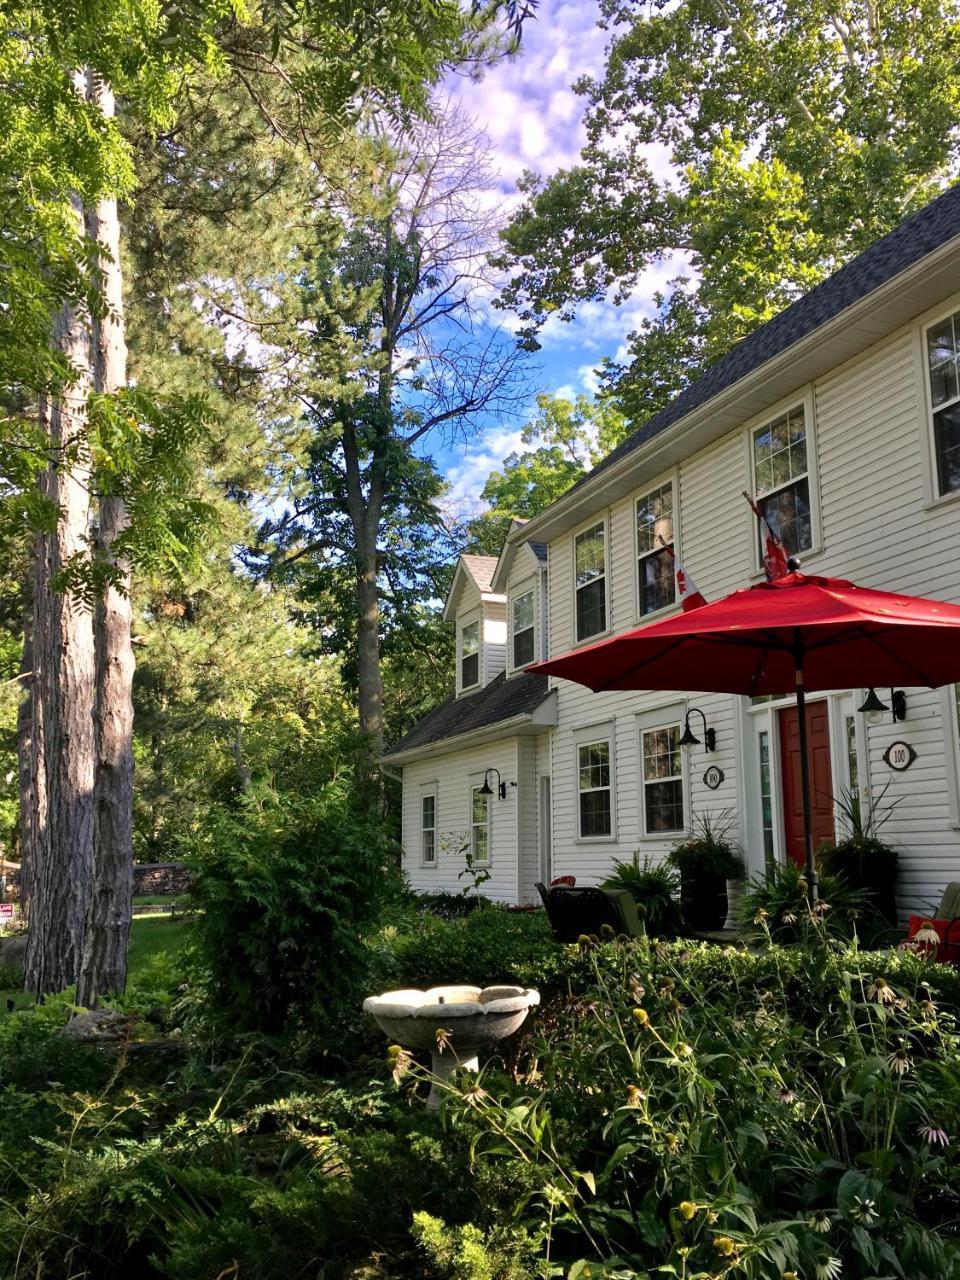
703, 901
871, 868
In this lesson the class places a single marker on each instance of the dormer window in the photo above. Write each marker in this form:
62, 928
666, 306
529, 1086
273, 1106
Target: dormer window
470, 655
590, 561
522, 629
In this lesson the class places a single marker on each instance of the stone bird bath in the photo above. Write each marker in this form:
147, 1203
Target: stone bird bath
452, 1024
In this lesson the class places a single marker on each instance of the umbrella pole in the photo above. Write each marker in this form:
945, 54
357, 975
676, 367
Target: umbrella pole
805, 782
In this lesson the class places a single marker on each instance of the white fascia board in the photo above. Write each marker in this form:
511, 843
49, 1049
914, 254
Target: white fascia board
542, 717
864, 323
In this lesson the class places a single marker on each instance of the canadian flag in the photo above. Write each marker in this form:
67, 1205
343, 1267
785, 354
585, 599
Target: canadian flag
774, 555
690, 597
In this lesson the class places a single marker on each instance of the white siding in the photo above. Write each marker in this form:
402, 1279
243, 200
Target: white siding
529, 857
877, 528
453, 775
494, 639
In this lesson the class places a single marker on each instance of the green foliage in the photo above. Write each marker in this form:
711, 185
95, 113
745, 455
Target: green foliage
780, 907
787, 138
707, 1111
655, 887
489, 945
571, 436
285, 890
708, 852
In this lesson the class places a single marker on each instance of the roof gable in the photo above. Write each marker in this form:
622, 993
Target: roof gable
471, 571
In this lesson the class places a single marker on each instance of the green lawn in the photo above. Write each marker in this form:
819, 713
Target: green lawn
150, 935
159, 899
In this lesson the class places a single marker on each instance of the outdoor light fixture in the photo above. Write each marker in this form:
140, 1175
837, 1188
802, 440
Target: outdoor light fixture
487, 790
690, 739
897, 707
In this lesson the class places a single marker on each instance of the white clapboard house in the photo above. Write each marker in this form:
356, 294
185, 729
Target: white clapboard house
842, 417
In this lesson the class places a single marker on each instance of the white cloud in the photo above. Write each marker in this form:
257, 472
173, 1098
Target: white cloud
467, 476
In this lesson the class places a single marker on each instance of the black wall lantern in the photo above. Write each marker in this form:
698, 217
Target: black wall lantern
487, 790
897, 707
690, 739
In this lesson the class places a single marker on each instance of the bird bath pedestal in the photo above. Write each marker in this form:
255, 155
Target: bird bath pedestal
452, 1024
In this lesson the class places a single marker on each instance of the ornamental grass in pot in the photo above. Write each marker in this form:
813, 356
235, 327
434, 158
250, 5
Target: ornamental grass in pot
861, 860
706, 860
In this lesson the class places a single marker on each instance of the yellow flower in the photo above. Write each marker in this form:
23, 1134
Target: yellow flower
641, 1016
635, 1096
687, 1209
725, 1246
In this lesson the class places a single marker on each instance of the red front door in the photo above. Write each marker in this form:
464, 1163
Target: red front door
821, 779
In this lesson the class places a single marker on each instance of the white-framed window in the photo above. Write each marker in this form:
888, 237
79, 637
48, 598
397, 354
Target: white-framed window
595, 789
523, 628
943, 371
781, 478
663, 786
656, 579
479, 826
470, 654
766, 798
590, 581
428, 828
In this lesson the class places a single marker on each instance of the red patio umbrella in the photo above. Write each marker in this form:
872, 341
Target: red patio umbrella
798, 633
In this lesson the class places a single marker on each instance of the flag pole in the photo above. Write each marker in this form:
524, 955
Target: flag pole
805, 775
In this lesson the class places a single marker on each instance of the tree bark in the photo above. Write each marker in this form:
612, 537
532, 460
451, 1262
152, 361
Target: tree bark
104, 966
29, 774
63, 650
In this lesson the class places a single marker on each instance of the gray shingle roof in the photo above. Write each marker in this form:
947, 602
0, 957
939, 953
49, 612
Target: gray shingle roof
500, 700
539, 549
920, 234
481, 569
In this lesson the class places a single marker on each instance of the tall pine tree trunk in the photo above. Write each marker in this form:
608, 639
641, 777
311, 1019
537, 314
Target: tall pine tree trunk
63, 649
29, 773
104, 967
369, 679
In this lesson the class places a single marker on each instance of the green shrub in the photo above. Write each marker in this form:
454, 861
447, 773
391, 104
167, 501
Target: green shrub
286, 891
711, 1111
779, 906
490, 945
655, 887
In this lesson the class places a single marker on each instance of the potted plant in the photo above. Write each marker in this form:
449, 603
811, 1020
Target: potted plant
861, 860
653, 887
706, 860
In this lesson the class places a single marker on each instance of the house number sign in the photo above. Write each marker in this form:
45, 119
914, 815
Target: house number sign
899, 756
713, 777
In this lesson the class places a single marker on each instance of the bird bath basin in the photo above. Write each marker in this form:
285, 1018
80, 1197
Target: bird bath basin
453, 1024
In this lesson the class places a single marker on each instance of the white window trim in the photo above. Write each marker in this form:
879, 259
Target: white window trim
601, 519
429, 789
466, 620
476, 781
605, 732
671, 477
662, 717
951, 744
527, 587
806, 399
934, 498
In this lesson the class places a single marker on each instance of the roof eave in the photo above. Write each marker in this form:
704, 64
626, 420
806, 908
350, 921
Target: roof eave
543, 716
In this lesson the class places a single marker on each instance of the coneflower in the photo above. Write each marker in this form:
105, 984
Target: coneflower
829, 1268
934, 1137
819, 1221
899, 1061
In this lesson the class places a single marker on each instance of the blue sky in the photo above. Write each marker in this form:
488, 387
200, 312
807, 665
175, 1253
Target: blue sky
533, 120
